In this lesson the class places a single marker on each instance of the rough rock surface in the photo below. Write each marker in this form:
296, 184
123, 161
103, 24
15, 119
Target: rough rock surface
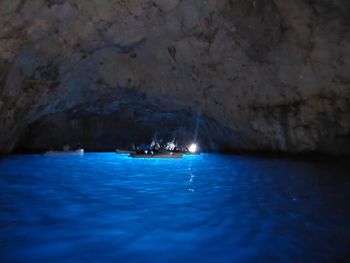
253, 75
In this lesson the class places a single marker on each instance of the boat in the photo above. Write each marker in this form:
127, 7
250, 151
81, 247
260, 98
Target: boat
155, 150
157, 155
78, 152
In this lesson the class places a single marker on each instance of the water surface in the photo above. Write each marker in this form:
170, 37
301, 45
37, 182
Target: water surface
208, 208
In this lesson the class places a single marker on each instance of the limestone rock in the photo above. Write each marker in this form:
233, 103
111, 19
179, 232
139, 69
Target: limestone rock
257, 75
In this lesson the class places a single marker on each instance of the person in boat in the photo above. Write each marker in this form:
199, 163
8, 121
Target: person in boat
153, 144
170, 146
143, 149
155, 147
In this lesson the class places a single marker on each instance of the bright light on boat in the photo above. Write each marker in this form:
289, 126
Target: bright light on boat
193, 148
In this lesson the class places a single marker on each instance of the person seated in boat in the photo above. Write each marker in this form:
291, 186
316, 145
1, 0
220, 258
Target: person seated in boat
170, 146
152, 145
155, 147
143, 149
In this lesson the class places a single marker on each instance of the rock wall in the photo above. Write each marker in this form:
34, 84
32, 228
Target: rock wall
259, 75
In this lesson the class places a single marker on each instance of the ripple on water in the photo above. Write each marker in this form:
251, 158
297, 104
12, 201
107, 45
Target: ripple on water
107, 207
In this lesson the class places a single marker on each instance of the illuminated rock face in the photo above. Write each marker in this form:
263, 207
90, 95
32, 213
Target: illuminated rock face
269, 75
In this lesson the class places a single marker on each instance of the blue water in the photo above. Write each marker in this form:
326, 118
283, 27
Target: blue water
104, 207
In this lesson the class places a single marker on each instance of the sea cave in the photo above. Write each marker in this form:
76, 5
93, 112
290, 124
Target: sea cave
174, 130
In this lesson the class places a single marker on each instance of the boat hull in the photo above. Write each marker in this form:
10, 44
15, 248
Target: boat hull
157, 155
119, 151
55, 153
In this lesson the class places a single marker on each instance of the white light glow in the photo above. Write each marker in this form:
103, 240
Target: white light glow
193, 148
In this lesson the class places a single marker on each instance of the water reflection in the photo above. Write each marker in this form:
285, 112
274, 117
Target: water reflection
191, 181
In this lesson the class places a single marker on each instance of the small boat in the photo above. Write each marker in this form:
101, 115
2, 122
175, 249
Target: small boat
79, 152
157, 155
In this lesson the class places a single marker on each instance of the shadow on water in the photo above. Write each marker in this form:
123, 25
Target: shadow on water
209, 207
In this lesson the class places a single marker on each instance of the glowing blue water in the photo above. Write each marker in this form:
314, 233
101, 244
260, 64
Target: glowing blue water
208, 208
